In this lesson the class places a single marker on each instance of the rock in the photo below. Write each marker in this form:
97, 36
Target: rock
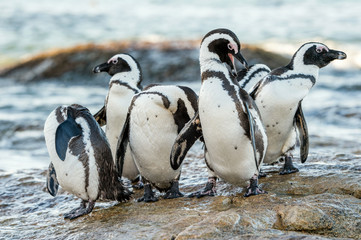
280, 214
161, 61
212, 226
302, 218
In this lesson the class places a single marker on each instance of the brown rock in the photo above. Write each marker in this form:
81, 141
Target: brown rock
212, 226
161, 61
302, 218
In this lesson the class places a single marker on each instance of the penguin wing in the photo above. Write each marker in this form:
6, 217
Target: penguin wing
122, 144
52, 183
101, 116
253, 92
301, 126
185, 140
65, 131
252, 129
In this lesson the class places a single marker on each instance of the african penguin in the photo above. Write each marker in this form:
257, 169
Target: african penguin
81, 159
156, 116
123, 85
279, 96
227, 119
248, 78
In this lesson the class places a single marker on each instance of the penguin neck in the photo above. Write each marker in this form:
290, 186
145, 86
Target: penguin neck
214, 65
132, 78
298, 66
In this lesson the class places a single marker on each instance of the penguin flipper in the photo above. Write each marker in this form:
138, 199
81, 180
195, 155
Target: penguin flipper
101, 116
122, 144
253, 91
301, 126
185, 140
252, 129
65, 131
52, 183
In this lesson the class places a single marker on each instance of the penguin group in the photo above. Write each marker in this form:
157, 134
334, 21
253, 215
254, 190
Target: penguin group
243, 118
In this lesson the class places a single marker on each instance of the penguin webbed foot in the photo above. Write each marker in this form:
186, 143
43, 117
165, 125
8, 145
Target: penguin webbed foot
288, 167
173, 192
149, 195
80, 211
137, 183
253, 188
261, 174
209, 189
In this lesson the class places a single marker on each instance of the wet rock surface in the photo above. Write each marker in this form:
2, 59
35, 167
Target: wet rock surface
304, 205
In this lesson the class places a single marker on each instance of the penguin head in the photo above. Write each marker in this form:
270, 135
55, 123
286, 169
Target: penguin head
73, 111
316, 54
121, 63
223, 45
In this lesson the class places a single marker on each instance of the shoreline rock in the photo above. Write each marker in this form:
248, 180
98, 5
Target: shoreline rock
160, 61
280, 214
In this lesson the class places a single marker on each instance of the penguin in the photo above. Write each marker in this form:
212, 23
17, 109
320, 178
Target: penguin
123, 85
81, 159
227, 120
155, 117
248, 78
279, 98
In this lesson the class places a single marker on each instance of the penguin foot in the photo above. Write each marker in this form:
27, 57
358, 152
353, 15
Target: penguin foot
173, 192
137, 184
253, 188
209, 190
288, 167
149, 195
262, 174
80, 211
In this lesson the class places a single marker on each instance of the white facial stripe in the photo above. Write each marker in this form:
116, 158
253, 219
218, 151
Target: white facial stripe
204, 51
114, 58
133, 76
298, 60
133, 65
216, 36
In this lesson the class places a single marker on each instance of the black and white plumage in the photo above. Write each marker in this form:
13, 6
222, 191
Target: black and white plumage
156, 116
228, 119
248, 78
279, 96
124, 84
81, 160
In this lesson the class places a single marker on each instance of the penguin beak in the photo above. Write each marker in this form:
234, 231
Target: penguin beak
104, 67
329, 56
334, 54
240, 58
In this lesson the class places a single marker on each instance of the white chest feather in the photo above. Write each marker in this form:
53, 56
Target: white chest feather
152, 134
119, 98
230, 150
278, 102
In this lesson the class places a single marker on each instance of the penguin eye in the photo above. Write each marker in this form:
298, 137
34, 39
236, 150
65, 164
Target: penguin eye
115, 61
229, 46
319, 50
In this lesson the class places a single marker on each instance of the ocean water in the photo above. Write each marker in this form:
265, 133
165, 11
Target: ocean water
332, 108
29, 27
